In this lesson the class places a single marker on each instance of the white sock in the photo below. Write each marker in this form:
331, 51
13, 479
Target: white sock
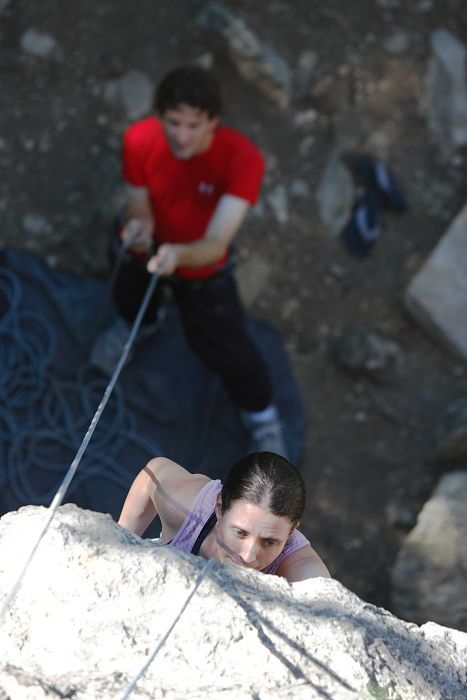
267, 415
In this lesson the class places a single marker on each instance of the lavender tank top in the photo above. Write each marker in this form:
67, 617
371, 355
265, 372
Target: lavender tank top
202, 510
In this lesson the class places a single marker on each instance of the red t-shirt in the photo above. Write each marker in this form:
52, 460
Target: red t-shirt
184, 193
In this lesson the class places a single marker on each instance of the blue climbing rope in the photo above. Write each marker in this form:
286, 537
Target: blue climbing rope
43, 416
40, 415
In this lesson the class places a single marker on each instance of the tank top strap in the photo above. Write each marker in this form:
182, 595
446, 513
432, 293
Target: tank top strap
201, 510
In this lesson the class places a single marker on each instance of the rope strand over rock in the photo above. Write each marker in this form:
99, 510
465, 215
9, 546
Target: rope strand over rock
164, 637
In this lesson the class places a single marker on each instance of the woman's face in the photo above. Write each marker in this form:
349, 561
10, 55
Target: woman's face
250, 535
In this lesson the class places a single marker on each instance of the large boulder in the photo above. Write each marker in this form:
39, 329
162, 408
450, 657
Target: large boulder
95, 599
429, 579
437, 294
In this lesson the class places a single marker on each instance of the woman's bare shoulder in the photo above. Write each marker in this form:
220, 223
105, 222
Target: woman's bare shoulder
174, 490
303, 564
170, 475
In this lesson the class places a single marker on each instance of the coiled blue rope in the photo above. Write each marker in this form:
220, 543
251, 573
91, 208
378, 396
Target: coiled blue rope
26, 425
43, 417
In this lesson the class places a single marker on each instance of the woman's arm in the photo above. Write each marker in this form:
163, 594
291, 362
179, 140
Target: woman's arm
303, 564
162, 488
139, 509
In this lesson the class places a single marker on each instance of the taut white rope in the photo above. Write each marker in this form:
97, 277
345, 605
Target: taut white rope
162, 640
59, 496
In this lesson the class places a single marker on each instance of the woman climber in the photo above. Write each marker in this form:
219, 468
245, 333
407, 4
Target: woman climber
249, 520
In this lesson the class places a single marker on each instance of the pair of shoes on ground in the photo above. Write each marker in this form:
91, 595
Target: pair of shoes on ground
108, 347
381, 192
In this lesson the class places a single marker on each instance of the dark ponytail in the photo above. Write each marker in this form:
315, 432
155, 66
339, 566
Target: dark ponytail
265, 479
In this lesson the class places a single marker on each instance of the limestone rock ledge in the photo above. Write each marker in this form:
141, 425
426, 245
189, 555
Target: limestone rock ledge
95, 599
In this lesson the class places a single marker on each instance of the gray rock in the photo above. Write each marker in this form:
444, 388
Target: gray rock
305, 118
360, 417
399, 516
96, 599
335, 195
437, 294
304, 73
110, 91
206, 60
253, 277
447, 92
257, 62
278, 202
306, 145
289, 308
40, 44
299, 189
337, 271
102, 120
36, 224
429, 579
136, 90
452, 434
52, 261
397, 43
3, 5
133, 92
28, 144
368, 352
307, 60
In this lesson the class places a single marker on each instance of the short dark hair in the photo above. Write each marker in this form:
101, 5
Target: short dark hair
189, 85
266, 478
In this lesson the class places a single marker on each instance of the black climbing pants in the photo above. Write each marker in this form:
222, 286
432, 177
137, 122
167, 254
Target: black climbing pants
214, 324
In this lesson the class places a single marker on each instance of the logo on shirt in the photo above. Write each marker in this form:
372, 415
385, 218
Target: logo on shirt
206, 188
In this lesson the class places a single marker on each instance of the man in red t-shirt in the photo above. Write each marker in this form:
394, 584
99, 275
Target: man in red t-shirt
190, 182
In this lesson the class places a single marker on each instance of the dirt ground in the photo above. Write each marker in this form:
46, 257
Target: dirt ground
369, 446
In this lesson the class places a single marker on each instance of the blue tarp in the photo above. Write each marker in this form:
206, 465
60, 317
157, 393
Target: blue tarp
165, 402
